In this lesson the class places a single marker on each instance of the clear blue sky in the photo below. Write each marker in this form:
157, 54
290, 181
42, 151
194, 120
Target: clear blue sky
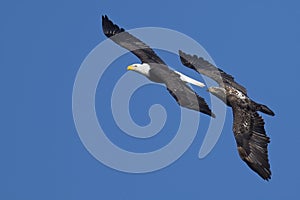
42, 45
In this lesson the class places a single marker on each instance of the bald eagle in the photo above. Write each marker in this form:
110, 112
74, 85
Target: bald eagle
248, 125
155, 69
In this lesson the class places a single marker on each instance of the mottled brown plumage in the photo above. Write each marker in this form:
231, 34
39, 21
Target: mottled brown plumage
248, 125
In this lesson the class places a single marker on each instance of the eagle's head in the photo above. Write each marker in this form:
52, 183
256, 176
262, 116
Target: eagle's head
218, 92
140, 68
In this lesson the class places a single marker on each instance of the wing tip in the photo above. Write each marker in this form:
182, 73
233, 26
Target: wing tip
206, 110
266, 174
186, 59
182, 56
263, 170
109, 28
105, 20
192, 61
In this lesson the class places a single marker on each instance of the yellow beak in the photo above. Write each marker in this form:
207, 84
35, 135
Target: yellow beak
130, 67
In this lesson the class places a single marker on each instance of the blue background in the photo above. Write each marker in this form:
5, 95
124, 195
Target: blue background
42, 45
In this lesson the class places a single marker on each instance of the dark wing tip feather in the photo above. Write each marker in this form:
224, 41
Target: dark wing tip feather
129, 42
109, 28
253, 145
203, 107
263, 170
213, 115
186, 59
193, 61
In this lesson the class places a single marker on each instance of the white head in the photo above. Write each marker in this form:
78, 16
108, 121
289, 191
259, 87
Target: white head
140, 68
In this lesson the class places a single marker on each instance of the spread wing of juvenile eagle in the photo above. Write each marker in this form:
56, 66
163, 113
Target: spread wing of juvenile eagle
251, 139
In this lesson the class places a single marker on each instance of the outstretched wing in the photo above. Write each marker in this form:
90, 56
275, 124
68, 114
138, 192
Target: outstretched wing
129, 42
185, 96
252, 141
206, 68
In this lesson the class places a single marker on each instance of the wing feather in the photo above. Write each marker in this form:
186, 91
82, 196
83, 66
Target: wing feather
204, 67
252, 141
129, 42
185, 96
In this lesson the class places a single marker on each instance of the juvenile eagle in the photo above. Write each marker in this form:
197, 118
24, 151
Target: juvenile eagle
248, 125
155, 69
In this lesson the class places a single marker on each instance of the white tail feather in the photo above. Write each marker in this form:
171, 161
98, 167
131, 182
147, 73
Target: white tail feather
190, 80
